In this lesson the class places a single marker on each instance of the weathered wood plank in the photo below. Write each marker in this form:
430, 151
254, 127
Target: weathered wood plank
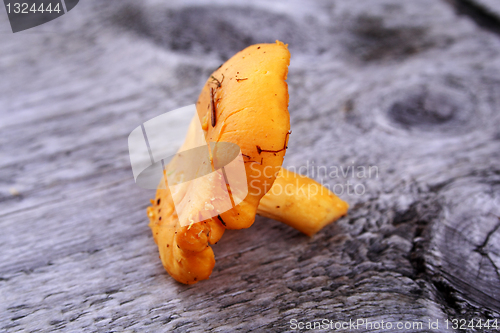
411, 89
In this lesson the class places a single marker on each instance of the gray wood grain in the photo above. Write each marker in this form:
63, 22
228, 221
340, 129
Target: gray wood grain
409, 87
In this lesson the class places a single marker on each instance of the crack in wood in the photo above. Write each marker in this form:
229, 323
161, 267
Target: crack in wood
480, 249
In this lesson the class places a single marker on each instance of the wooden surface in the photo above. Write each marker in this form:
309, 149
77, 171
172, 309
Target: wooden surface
409, 87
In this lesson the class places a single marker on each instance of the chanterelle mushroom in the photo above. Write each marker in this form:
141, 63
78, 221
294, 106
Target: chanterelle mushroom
244, 102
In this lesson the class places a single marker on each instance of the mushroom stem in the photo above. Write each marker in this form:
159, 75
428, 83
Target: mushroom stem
301, 203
